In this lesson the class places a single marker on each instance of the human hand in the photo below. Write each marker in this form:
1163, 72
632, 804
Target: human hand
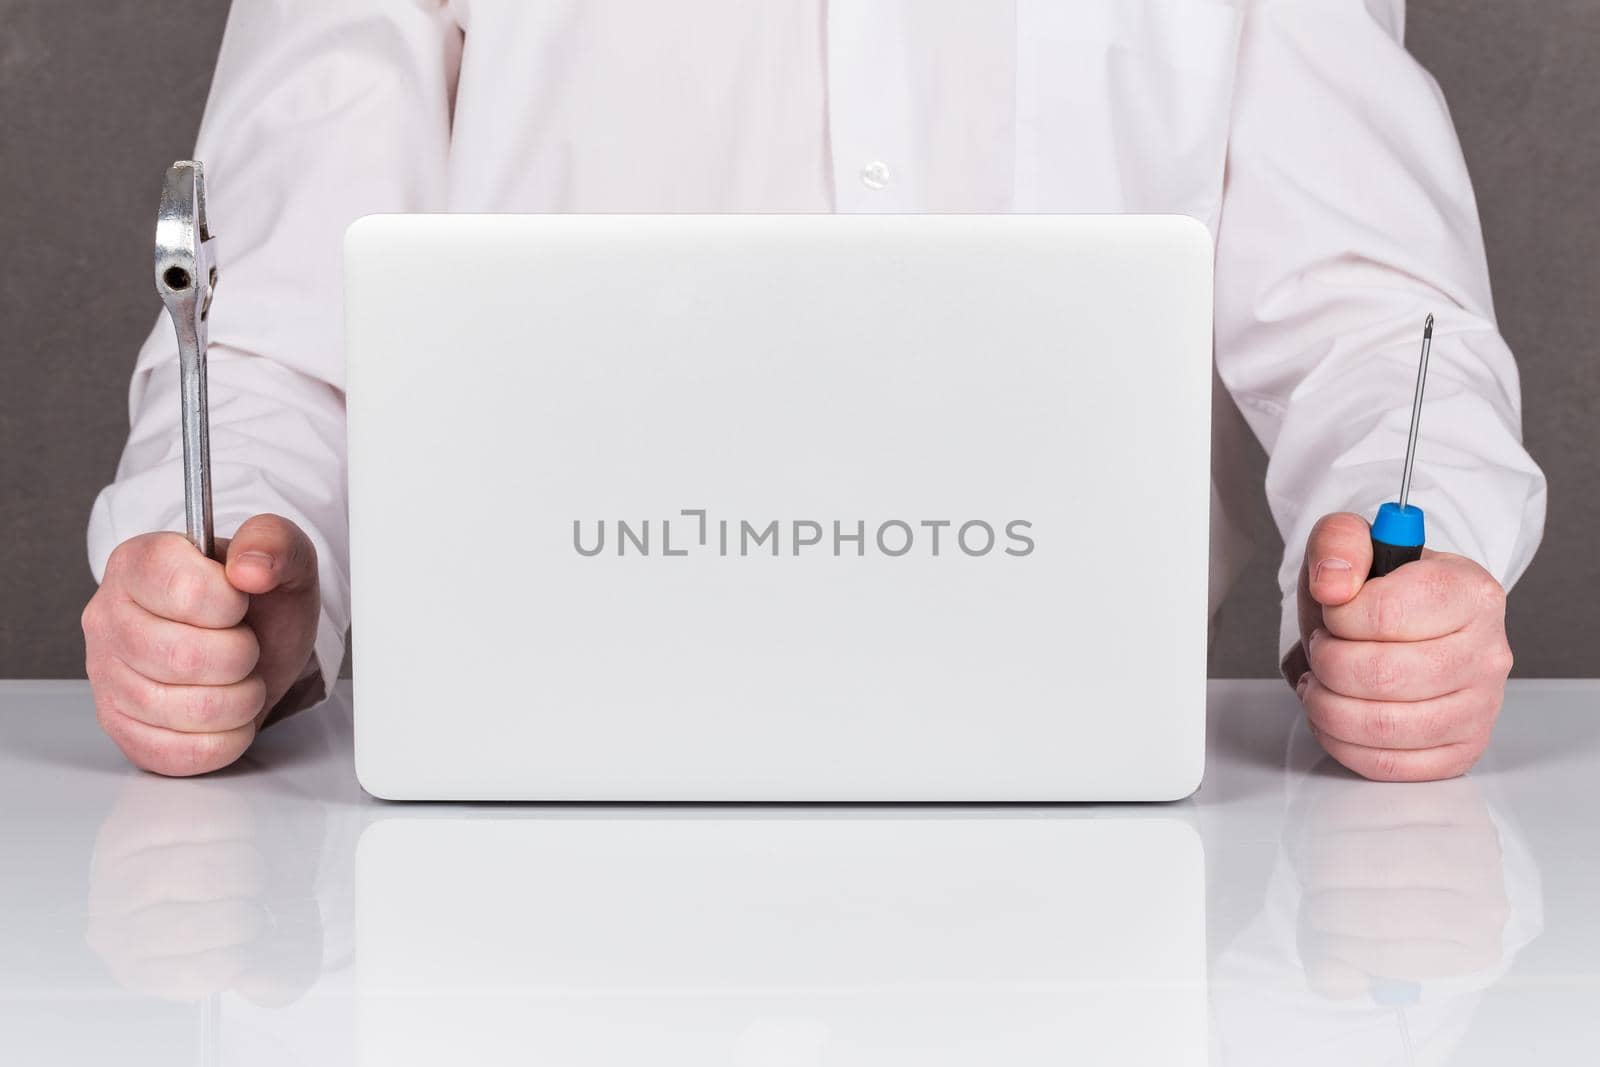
1401, 677
187, 656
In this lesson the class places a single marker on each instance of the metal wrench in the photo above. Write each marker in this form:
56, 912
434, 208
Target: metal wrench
186, 275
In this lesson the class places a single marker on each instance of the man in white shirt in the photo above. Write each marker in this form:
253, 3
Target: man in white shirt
1319, 153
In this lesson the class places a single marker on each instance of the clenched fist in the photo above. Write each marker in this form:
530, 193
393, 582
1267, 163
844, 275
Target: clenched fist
187, 656
1401, 676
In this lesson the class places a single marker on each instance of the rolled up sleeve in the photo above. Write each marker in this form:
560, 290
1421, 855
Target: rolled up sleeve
1348, 217
318, 113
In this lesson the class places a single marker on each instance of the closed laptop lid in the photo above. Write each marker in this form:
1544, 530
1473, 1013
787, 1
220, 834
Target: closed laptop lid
779, 507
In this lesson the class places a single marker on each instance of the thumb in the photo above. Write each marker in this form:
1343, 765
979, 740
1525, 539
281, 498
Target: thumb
269, 553
1338, 557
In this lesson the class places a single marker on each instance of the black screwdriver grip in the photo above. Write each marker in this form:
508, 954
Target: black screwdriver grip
1386, 557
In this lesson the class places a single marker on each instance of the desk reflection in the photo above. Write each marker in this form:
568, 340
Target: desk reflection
1391, 907
1352, 922
231, 899
197, 888
790, 939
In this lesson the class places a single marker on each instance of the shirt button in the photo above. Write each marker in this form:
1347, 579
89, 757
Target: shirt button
875, 175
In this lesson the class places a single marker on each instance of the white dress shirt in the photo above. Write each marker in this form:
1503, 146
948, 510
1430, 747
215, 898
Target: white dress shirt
1319, 153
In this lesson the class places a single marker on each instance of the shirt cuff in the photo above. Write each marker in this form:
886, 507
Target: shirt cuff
1288, 623
328, 650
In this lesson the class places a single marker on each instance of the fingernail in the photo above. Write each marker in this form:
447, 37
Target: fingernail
261, 559
1331, 568
1316, 635
1302, 684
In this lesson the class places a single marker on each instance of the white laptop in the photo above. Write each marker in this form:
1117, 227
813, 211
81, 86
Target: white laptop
779, 508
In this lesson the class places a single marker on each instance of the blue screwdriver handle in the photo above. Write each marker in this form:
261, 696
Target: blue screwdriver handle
1397, 532
1397, 536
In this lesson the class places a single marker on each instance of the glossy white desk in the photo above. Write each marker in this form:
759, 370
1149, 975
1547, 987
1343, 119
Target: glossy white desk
1288, 914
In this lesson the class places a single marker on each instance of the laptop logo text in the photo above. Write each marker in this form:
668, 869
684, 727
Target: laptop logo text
696, 533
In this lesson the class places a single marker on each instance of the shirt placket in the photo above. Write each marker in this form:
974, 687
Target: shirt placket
872, 108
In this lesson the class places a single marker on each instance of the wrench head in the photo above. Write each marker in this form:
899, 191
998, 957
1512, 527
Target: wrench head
185, 256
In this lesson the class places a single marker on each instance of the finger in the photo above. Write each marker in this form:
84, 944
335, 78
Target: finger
165, 575
170, 752
179, 874
1414, 858
1399, 764
183, 978
1333, 979
174, 653
1426, 599
1338, 557
1352, 805
267, 553
1432, 914
1464, 715
186, 708
271, 558
1411, 959
166, 930
1402, 670
151, 815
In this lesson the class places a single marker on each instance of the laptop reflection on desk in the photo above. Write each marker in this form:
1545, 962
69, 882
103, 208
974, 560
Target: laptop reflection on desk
697, 937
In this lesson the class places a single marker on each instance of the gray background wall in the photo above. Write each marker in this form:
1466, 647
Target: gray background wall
98, 96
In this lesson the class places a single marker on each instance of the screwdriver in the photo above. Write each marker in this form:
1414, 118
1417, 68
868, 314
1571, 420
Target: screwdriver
1398, 995
1397, 532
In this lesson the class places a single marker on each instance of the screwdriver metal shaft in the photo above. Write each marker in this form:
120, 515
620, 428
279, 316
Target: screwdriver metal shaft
1398, 531
1416, 412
